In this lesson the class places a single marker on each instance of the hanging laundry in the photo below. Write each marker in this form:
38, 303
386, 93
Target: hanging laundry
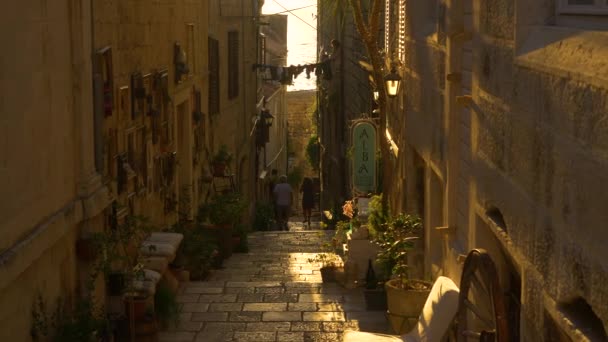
309, 68
286, 75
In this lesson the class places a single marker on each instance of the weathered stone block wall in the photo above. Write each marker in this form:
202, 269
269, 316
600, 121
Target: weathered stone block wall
40, 278
142, 38
541, 159
538, 140
38, 125
43, 157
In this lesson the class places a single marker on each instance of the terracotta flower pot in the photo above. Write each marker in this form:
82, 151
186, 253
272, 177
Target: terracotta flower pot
331, 274
135, 307
116, 283
86, 249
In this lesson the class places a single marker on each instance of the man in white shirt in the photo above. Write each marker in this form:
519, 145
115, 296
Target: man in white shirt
283, 197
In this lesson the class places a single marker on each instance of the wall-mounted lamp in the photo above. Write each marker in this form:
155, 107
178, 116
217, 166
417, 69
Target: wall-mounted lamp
393, 83
267, 117
376, 95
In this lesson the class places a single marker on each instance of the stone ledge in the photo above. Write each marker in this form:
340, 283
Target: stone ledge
22, 254
566, 52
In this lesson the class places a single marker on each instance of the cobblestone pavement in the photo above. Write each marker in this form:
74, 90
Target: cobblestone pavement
272, 294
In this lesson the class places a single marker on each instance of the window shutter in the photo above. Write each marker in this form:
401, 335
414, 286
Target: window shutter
214, 77
233, 64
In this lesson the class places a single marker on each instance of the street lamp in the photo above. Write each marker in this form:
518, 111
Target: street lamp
267, 117
376, 95
393, 83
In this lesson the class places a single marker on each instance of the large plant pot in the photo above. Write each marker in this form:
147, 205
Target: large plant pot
236, 241
375, 300
225, 240
404, 306
329, 274
223, 235
86, 249
135, 307
116, 283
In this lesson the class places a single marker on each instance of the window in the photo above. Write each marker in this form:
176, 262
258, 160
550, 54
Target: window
214, 77
583, 6
190, 52
233, 64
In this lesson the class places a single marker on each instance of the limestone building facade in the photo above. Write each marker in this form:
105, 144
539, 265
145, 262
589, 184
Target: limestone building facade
109, 109
51, 191
502, 136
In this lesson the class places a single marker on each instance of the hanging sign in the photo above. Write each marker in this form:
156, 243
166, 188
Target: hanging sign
364, 157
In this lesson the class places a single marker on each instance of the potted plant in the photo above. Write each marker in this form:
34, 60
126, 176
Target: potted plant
221, 160
375, 296
377, 217
166, 307
239, 239
405, 297
80, 322
329, 266
224, 211
197, 251
117, 257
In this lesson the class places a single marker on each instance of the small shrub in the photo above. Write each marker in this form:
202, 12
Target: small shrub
264, 217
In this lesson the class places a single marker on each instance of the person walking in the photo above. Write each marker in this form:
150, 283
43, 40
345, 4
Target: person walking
283, 196
308, 199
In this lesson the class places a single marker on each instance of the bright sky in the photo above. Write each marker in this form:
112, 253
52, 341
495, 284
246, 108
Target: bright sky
301, 34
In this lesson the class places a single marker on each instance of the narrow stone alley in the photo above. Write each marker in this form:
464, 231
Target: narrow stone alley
272, 293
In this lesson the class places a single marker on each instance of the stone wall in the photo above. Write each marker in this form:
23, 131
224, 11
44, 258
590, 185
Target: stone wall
50, 189
521, 168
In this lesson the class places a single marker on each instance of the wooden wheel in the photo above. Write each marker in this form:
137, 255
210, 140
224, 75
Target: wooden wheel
481, 309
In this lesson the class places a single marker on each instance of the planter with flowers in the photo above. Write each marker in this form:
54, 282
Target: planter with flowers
330, 266
359, 249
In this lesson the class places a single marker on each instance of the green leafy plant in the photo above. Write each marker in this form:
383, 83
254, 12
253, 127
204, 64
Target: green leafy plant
395, 242
264, 216
325, 259
222, 156
166, 306
224, 209
241, 231
116, 252
83, 322
312, 152
342, 229
377, 217
197, 250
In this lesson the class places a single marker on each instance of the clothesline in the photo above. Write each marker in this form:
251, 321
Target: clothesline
286, 74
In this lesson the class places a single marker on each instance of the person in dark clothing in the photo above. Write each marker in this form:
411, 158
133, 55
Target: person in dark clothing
308, 199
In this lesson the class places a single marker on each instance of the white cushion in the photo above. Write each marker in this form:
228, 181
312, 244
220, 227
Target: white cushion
174, 239
150, 248
437, 315
360, 336
155, 263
